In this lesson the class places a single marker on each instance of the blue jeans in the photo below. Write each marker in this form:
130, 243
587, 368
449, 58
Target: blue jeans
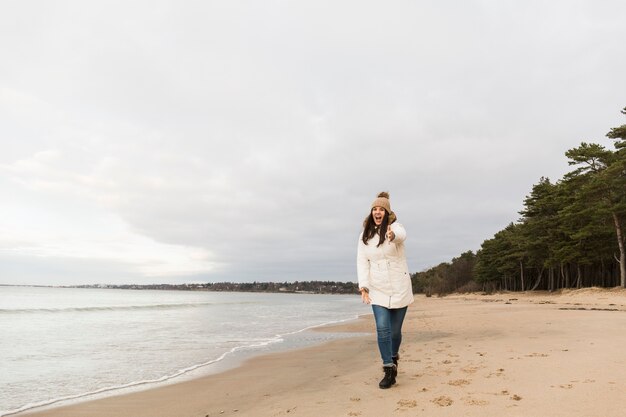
389, 331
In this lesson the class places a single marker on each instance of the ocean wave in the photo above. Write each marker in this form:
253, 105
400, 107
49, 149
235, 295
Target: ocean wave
259, 343
273, 324
248, 344
165, 306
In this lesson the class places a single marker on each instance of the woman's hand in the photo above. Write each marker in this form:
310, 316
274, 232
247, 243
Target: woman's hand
365, 296
390, 234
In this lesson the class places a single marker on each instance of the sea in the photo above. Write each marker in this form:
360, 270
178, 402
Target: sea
63, 345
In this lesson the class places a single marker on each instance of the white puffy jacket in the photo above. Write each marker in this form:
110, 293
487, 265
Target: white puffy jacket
384, 271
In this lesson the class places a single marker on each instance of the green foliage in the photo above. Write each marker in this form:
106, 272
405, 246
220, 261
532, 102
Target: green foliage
446, 277
570, 233
619, 133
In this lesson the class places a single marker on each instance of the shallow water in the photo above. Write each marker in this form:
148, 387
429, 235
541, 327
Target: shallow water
68, 343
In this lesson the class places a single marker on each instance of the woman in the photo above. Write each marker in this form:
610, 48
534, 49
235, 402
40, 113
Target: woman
384, 280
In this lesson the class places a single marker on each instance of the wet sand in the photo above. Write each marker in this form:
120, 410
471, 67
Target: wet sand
513, 354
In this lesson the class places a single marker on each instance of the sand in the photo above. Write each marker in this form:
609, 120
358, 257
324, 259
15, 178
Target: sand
511, 354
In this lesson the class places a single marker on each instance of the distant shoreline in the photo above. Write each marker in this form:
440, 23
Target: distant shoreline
297, 287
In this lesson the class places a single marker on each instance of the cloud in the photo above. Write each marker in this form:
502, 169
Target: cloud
245, 141
62, 228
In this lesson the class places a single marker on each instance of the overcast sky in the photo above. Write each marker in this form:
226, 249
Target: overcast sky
189, 141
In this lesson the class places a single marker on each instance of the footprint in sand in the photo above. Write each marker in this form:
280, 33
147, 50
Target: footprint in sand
566, 386
471, 369
498, 372
443, 401
474, 401
459, 382
516, 397
537, 355
406, 404
354, 413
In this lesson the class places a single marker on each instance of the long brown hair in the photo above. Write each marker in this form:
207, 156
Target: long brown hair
370, 229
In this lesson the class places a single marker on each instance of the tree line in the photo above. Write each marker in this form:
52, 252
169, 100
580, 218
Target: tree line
309, 287
571, 233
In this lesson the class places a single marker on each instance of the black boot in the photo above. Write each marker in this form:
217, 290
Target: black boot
390, 377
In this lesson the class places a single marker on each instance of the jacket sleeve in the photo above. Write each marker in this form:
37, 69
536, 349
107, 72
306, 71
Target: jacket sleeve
399, 231
362, 265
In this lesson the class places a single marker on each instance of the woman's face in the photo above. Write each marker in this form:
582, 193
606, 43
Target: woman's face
379, 214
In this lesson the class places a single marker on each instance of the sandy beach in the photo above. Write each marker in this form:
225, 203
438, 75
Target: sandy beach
512, 354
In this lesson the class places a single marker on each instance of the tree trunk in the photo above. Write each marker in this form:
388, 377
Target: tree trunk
551, 279
538, 280
521, 274
578, 277
601, 279
622, 251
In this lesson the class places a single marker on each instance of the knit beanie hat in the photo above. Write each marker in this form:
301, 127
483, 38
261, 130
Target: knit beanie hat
383, 201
